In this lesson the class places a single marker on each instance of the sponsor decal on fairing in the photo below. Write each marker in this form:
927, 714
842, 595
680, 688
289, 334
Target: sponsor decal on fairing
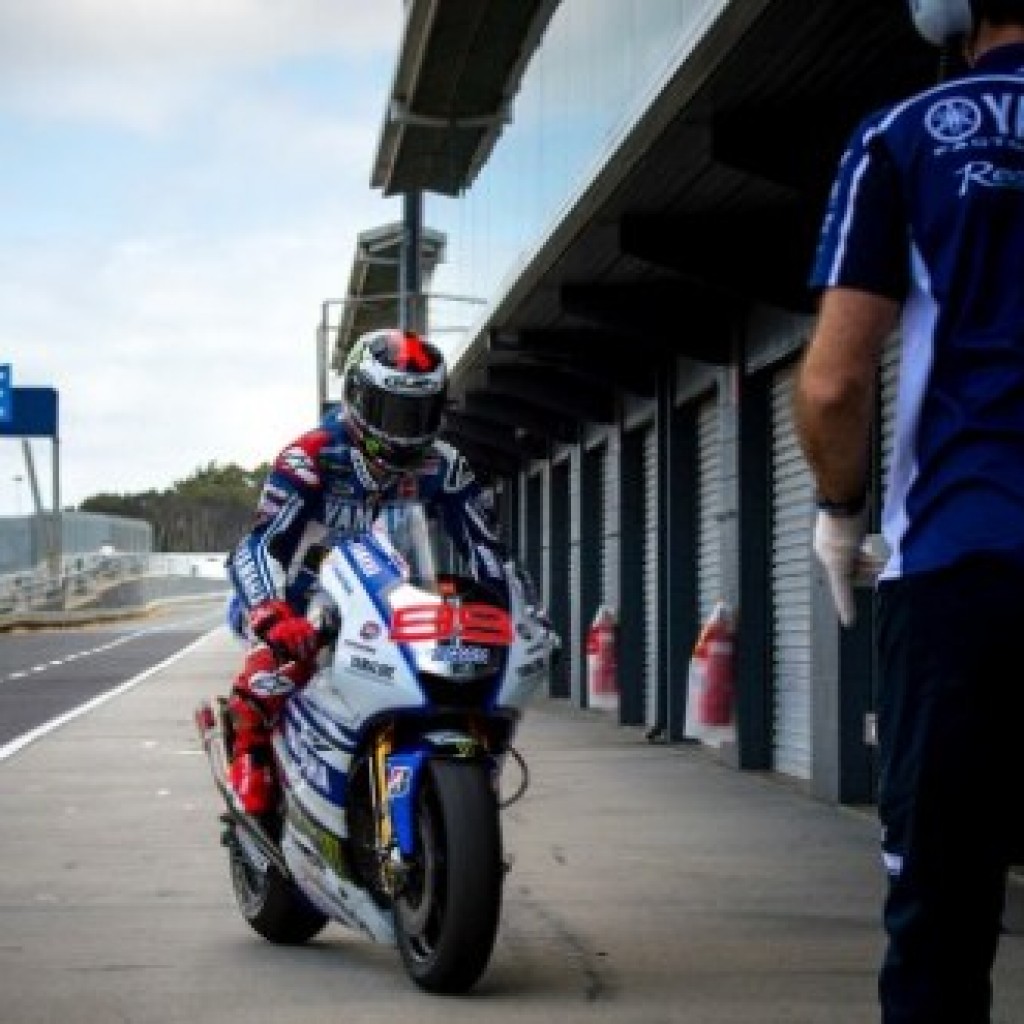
356, 645
399, 777
365, 560
457, 654
377, 669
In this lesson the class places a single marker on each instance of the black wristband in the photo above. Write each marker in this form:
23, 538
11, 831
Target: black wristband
850, 507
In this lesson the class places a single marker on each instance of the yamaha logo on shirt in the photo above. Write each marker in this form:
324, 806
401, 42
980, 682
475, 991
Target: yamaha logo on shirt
953, 120
993, 120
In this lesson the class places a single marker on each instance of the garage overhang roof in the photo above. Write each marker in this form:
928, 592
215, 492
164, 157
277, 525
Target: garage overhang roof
459, 66
373, 298
709, 206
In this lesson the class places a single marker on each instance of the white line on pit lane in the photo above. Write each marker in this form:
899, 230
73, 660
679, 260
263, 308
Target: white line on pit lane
99, 650
47, 727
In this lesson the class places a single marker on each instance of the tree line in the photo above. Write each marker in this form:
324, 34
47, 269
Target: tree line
207, 511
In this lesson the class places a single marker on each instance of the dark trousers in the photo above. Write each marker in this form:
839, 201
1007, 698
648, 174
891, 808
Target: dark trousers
951, 731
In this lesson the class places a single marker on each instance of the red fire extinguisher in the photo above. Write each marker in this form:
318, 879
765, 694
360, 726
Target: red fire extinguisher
602, 662
716, 646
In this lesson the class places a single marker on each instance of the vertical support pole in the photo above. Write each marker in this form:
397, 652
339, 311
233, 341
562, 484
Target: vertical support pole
57, 524
323, 334
411, 307
30, 472
42, 533
321, 370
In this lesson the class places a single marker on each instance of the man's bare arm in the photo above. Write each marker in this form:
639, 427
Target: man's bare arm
835, 390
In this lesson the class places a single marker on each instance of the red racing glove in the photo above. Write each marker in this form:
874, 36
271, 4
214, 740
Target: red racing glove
278, 626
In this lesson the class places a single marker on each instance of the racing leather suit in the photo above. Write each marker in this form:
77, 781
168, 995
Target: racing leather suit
320, 486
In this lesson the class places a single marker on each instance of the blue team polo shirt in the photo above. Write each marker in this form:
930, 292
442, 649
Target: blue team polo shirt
928, 209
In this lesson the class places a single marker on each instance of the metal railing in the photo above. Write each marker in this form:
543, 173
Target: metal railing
106, 585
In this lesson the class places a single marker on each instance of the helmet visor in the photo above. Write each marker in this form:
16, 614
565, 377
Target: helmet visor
401, 419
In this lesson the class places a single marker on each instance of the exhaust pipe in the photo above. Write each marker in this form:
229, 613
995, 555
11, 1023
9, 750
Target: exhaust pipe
209, 718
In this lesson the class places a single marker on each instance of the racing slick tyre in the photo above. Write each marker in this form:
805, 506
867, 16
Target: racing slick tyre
446, 917
271, 904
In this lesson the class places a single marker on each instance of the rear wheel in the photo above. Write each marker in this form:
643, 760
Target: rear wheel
446, 917
270, 902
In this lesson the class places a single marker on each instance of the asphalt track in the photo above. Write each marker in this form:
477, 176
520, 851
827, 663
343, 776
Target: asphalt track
648, 884
47, 673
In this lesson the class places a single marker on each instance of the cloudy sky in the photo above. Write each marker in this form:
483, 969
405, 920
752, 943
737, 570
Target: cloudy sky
181, 184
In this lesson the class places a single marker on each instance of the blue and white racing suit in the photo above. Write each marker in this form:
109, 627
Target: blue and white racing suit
928, 209
320, 486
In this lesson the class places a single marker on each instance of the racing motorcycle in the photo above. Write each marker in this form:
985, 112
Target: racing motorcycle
391, 757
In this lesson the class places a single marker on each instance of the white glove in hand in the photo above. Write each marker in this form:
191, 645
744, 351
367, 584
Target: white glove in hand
837, 543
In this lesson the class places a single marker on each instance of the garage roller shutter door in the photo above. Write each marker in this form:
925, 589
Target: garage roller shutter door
791, 576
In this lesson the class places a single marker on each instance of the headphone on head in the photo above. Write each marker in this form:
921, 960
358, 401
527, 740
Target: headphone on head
939, 21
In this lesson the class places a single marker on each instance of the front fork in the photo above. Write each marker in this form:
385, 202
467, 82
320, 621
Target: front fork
389, 859
394, 785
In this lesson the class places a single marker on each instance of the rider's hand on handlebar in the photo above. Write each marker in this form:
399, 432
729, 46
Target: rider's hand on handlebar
283, 630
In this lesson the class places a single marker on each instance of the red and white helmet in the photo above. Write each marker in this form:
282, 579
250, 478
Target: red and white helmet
395, 387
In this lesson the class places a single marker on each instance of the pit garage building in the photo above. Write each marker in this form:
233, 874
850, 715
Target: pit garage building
632, 191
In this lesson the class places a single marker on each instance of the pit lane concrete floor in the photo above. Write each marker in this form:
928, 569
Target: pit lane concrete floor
648, 884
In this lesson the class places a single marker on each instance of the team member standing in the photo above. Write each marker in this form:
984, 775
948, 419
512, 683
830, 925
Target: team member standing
926, 223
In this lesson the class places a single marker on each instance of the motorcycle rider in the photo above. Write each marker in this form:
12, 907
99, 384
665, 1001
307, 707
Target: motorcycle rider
380, 443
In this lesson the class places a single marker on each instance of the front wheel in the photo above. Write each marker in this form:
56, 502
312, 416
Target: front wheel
446, 917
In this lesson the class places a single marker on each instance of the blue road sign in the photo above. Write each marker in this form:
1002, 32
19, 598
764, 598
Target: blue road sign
34, 413
6, 399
